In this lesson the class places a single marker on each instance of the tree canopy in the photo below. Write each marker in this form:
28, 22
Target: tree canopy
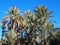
15, 26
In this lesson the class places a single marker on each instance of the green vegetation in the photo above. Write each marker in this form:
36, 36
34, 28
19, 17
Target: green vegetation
28, 28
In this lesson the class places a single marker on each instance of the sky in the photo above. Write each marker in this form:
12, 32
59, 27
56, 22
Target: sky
23, 5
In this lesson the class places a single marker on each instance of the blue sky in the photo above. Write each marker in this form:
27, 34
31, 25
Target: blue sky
23, 5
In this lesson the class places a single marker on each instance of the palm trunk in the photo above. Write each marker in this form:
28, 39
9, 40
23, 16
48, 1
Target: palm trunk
45, 40
12, 44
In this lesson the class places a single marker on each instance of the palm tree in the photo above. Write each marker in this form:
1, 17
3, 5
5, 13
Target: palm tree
43, 20
30, 21
9, 22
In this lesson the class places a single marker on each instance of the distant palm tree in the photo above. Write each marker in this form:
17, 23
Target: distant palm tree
57, 33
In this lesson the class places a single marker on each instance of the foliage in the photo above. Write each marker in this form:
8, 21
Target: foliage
36, 24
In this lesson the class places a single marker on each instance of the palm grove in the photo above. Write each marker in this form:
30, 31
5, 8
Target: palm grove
27, 29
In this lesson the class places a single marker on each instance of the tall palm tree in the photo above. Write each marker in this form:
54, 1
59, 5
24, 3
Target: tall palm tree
43, 17
30, 21
14, 17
